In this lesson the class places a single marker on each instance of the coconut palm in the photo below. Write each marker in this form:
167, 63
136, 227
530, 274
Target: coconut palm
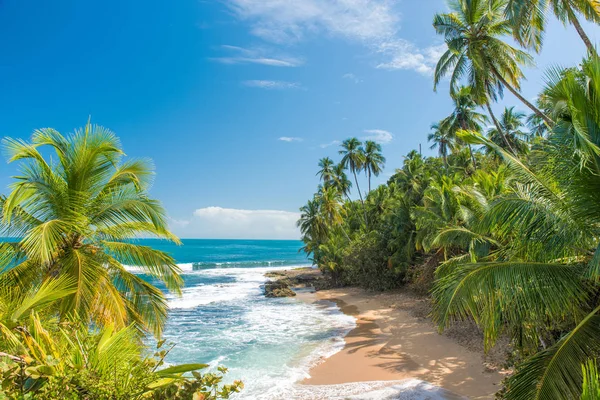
511, 123
341, 181
464, 115
326, 173
548, 271
312, 226
529, 18
441, 140
537, 127
473, 33
76, 216
331, 208
374, 160
353, 158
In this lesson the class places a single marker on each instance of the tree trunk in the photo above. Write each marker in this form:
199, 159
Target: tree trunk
472, 157
500, 131
464, 126
533, 108
361, 198
369, 173
588, 43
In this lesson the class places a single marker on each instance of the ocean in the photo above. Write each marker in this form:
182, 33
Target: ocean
222, 318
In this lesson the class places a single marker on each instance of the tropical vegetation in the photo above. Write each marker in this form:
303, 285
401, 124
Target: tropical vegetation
73, 319
502, 225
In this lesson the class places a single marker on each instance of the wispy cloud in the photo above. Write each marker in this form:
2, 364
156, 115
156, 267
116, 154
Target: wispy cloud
290, 139
374, 23
352, 78
277, 85
404, 55
332, 143
240, 55
378, 135
232, 223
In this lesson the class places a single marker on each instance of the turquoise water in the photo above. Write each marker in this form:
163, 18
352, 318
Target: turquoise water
222, 318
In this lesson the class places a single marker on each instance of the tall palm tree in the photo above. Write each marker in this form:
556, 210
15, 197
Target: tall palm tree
326, 173
529, 18
331, 208
464, 115
473, 33
341, 181
441, 139
511, 123
374, 160
353, 158
312, 226
76, 217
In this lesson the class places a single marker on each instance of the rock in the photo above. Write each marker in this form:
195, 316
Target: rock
279, 288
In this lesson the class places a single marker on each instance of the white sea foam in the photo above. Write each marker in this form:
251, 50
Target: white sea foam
410, 389
246, 283
273, 343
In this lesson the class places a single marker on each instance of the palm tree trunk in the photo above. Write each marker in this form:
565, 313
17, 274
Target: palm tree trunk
499, 128
472, 157
361, 198
345, 233
586, 39
518, 95
369, 172
464, 126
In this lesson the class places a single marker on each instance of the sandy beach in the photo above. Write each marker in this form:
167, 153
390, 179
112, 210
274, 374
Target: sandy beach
393, 342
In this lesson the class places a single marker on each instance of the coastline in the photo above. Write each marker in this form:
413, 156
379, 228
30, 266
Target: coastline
392, 342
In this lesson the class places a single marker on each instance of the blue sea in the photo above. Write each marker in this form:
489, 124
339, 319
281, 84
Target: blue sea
222, 318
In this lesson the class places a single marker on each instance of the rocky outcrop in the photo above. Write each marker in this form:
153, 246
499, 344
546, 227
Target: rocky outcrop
284, 281
279, 288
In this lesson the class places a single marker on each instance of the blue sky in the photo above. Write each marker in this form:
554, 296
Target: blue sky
234, 100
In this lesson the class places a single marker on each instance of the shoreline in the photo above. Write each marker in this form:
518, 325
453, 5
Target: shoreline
393, 343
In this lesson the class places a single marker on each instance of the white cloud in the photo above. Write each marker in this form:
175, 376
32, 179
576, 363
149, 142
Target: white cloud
404, 55
263, 84
290, 139
374, 23
231, 223
378, 135
291, 20
352, 78
332, 143
240, 55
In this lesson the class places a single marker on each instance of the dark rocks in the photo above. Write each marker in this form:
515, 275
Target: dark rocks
279, 288
285, 281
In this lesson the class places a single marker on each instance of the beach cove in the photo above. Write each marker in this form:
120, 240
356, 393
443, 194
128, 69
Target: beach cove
394, 347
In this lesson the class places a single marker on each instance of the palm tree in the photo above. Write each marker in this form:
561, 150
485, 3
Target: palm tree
374, 160
326, 172
464, 116
312, 226
77, 217
341, 181
536, 126
354, 160
529, 18
473, 32
441, 140
547, 273
511, 137
331, 208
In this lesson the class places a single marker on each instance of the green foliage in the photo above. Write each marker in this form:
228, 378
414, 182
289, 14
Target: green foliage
76, 215
591, 381
72, 318
503, 226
